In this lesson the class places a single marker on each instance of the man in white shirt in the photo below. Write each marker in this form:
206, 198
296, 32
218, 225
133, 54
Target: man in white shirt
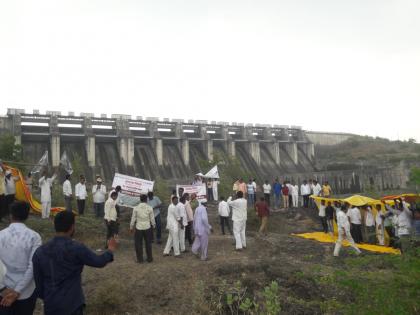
370, 226
343, 231
99, 193
10, 189
110, 217
379, 225
267, 192
81, 194
215, 189
305, 191
45, 184
143, 220
250, 189
355, 224
184, 222
322, 217
295, 195
173, 224
155, 203
239, 217
224, 212
67, 192
316, 188
17, 246
404, 224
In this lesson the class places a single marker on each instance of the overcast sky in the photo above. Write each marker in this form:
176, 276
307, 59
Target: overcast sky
327, 65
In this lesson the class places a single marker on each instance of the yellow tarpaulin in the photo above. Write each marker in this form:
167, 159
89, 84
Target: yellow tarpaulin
23, 193
327, 238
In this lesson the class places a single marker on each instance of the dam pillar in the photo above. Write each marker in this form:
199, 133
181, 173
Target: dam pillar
125, 141
90, 150
255, 151
185, 149
291, 148
275, 152
54, 141
159, 151
231, 148
208, 149
130, 151
310, 150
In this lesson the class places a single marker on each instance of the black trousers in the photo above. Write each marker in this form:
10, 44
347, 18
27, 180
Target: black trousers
324, 224
188, 232
306, 201
81, 206
356, 232
223, 221
139, 236
111, 230
267, 199
20, 307
2, 206
210, 194
8, 200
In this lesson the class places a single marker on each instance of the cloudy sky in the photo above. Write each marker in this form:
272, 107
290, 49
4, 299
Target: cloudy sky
328, 65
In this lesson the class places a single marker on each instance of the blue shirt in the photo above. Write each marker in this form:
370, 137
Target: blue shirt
277, 188
58, 266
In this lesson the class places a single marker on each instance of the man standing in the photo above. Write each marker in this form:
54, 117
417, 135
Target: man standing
173, 224
210, 196
17, 246
316, 188
202, 230
329, 215
2, 192
305, 191
267, 192
155, 203
370, 226
343, 232
215, 189
379, 225
356, 224
143, 219
295, 195
61, 261
321, 214
81, 194
326, 190
111, 217
239, 217
67, 192
190, 219
242, 186
404, 223
224, 212
184, 223
262, 212
10, 191
45, 184
285, 195
250, 193
99, 193
277, 191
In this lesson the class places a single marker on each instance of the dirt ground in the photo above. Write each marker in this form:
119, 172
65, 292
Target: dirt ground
183, 286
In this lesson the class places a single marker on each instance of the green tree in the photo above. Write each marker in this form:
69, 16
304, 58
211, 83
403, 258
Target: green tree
9, 150
415, 176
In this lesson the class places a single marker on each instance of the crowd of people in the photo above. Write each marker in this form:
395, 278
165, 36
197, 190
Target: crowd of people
363, 225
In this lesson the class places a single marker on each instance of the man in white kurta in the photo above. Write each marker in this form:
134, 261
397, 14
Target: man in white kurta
45, 184
215, 189
343, 232
184, 221
173, 225
239, 216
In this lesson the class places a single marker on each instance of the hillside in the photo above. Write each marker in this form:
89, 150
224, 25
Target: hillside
367, 151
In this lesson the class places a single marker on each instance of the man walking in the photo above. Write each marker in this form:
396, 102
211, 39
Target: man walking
45, 184
239, 217
17, 246
202, 230
67, 192
224, 212
61, 261
173, 224
143, 220
99, 193
111, 217
81, 194
343, 232
262, 211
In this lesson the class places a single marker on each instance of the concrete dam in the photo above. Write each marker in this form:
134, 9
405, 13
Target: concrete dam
151, 148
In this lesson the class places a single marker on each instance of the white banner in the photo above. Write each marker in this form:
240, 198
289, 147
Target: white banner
199, 190
213, 173
43, 162
65, 162
131, 188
